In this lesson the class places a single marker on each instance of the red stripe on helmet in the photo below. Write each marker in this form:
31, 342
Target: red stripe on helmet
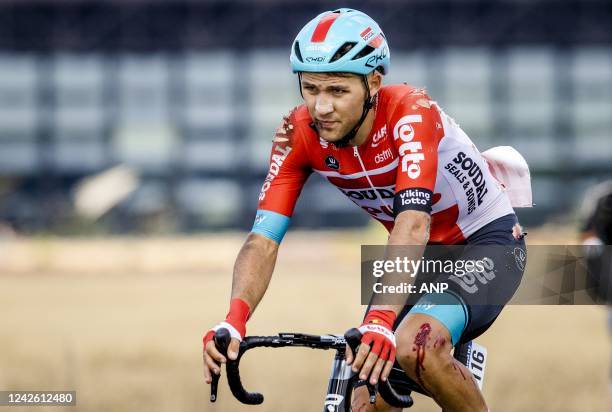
365, 32
320, 32
376, 41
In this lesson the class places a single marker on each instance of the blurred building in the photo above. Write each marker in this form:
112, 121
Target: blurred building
189, 93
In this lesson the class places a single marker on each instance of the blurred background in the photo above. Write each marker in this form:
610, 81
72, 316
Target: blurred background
187, 95
134, 138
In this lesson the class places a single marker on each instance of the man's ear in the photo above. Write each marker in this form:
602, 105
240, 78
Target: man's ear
375, 82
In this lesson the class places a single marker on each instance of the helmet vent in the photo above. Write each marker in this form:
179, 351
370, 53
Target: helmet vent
343, 50
298, 53
364, 52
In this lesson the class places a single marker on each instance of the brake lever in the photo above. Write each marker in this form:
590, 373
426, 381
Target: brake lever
222, 341
372, 391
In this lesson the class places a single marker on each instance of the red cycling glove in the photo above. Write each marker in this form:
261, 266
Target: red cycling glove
235, 321
377, 329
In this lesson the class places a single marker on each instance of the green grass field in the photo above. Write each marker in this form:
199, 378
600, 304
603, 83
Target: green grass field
121, 320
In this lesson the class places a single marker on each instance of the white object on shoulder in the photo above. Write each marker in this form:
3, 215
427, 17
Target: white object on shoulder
510, 168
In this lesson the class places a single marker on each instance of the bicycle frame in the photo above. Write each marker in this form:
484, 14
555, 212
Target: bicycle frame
340, 386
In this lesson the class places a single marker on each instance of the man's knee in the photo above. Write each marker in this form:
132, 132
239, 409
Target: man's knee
424, 346
361, 402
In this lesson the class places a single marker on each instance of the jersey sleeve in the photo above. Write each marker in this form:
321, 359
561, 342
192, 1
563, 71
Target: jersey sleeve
288, 171
417, 130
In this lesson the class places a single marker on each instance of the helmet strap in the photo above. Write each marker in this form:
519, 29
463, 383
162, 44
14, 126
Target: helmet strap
300, 83
367, 105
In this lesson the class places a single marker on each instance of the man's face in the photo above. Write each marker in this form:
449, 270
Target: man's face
334, 102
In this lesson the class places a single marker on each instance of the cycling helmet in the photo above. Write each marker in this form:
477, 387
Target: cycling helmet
343, 40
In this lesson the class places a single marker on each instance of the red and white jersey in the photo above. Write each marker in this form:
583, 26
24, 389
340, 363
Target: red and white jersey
416, 157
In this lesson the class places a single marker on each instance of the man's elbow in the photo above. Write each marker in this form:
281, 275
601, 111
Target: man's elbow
412, 227
261, 243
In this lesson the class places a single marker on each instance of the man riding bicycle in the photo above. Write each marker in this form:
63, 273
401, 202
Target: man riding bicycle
395, 153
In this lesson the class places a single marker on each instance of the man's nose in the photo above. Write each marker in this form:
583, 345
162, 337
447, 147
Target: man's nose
323, 106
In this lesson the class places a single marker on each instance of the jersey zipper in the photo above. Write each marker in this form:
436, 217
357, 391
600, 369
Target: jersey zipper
356, 154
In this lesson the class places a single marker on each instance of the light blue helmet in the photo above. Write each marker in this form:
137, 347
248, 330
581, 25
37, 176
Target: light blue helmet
343, 40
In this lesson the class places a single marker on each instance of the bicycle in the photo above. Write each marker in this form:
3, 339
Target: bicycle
396, 390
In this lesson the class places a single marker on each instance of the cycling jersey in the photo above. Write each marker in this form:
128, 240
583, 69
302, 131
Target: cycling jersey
415, 158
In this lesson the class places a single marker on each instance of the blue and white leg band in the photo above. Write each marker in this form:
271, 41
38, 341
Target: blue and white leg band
446, 308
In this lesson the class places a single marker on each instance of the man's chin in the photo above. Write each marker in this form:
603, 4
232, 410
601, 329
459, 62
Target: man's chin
330, 137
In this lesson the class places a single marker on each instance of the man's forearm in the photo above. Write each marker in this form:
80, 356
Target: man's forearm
407, 239
253, 269
411, 228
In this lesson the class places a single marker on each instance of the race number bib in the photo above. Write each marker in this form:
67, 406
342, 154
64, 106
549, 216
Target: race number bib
477, 361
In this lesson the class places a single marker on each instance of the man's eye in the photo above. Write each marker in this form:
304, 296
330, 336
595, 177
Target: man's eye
339, 91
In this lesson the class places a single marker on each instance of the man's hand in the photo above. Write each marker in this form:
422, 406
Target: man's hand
235, 323
376, 353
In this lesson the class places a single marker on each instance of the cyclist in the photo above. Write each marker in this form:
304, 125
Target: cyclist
394, 152
596, 231
596, 235
596, 214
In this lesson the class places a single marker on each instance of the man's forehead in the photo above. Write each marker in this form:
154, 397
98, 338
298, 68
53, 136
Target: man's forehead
329, 78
